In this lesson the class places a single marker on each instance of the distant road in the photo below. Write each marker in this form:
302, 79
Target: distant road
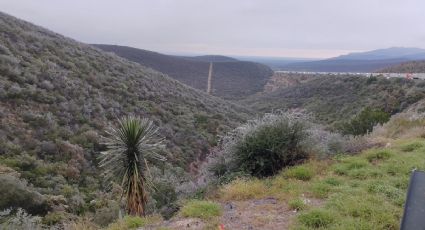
387, 75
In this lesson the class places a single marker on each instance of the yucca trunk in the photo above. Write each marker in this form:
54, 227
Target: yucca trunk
136, 194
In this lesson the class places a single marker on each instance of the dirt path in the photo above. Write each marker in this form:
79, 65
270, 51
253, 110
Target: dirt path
256, 214
209, 86
266, 213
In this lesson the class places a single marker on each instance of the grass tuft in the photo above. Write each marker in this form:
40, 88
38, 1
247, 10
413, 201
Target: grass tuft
299, 172
320, 189
297, 204
316, 218
201, 209
133, 222
244, 189
375, 155
411, 146
332, 181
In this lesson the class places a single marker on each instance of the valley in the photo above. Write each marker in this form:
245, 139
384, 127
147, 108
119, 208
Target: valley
98, 136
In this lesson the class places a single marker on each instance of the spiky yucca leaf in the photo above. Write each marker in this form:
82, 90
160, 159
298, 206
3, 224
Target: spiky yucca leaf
129, 149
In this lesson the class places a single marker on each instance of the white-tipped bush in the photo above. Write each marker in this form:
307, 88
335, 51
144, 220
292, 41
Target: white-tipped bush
264, 146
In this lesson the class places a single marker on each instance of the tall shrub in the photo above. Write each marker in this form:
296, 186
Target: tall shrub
268, 149
263, 147
364, 122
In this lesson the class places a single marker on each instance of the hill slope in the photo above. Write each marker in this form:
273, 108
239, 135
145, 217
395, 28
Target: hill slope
406, 67
336, 98
361, 62
57, 96
231, 78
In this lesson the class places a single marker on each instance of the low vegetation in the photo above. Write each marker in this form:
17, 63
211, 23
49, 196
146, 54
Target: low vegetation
133, 222
302, 172
201, 209
366, 191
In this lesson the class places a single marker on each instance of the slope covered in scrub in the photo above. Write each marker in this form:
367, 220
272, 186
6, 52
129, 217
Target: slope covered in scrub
231, 78
405, 67
58, 96
345, 191
332, 99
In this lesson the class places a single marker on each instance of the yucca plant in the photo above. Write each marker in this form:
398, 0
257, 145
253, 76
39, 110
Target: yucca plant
130, 148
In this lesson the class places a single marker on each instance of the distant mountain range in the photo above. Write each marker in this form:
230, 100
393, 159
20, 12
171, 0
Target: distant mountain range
232, 78
370, 61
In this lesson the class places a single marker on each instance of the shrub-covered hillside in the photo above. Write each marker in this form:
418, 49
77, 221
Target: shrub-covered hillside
337, 98
365, 189
231, 78
407, 67
57, 96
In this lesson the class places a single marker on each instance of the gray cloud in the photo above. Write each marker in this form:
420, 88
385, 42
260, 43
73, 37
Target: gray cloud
305, 28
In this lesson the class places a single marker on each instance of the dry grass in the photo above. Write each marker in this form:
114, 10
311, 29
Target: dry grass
81, 224
364, 191
205, 210
244, 189
133, 222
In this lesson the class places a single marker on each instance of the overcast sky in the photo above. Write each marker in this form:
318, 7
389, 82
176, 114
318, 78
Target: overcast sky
283, 28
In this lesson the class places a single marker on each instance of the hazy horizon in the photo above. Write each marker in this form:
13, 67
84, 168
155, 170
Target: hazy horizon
271, 28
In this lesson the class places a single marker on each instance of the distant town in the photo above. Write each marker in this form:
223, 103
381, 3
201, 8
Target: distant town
386, 75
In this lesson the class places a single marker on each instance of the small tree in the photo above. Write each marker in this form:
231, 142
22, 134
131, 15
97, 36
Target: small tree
129, 149
364, 122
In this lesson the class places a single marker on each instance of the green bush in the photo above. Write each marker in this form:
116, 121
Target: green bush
53, 218
300, 173
271, 146
316, 218
364, 122
15, 193
201, 209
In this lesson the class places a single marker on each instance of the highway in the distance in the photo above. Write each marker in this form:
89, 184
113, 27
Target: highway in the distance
387, 75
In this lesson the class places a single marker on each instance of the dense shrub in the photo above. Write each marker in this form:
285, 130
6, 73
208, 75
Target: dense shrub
364, 122
269, 148
17, 194
263, 147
